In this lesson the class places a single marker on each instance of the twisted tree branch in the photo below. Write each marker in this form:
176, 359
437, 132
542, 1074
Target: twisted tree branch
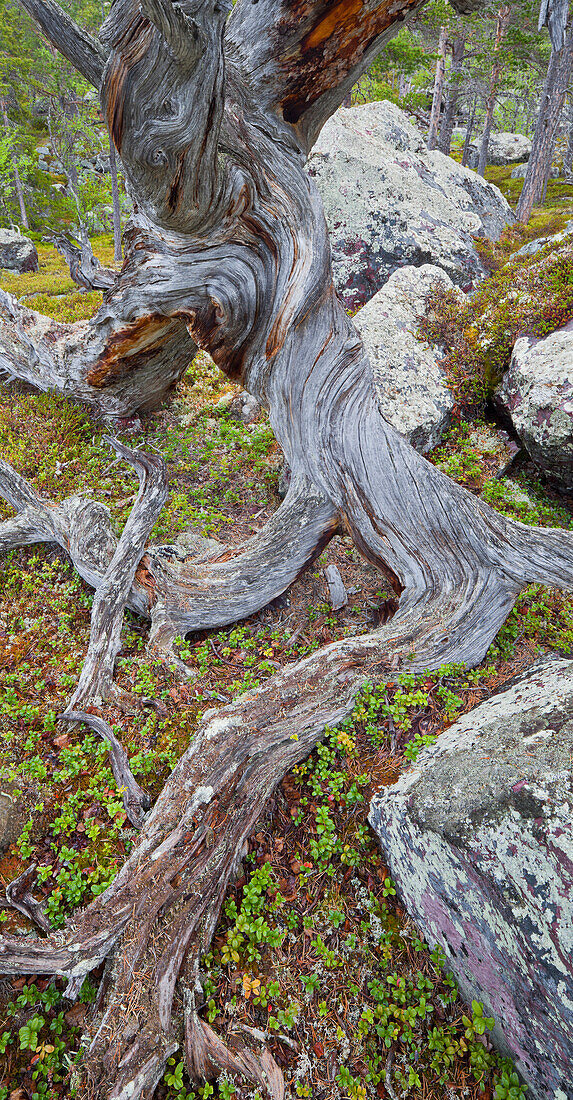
86, 54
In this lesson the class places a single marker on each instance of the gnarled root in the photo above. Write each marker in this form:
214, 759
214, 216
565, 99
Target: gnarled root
183, 586
158, 916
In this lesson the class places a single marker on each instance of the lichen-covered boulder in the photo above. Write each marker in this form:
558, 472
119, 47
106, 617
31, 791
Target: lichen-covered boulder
507, 148
532, 247
17, 253
478, 836
389, 202
411, 386
520, 171
245, 408
537, 394
503, 148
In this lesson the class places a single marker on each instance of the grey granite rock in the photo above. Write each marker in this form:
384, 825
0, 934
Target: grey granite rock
537, 393
532, 247
17, 253
389, 202
245, 408
410, 384
503, 148
478, 836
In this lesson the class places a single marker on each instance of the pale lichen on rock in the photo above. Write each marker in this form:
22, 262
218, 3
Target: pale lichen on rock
479, 840
390, 202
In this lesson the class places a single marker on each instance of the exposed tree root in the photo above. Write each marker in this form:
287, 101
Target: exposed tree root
213, 116
459, 567
207, 1056
191, 585
114, 587
135, 800
18, 896
159, 914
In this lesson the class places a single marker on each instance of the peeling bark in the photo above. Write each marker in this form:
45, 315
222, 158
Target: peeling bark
213, 116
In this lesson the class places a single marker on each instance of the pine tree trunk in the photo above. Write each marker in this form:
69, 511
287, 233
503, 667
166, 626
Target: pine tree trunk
568, 157
17, 181
501, 28
438, 88
213, 117
543, 145
20, 196
449, 115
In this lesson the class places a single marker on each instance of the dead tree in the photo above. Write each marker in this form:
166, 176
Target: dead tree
458, 48
502, 24
213, 116
438, 89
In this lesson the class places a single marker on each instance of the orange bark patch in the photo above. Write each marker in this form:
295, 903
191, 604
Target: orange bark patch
132, 49
125, 348
343, 14
144, 578
337, 41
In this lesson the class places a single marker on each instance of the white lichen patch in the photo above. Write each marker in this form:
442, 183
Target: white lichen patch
411, 387
219, 726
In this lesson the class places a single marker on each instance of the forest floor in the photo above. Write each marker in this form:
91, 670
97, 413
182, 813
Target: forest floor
312, 947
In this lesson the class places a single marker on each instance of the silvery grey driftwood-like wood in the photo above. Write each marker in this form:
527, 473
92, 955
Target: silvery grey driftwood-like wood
135, 800
85, 268
213, 112
18, 896
114, 587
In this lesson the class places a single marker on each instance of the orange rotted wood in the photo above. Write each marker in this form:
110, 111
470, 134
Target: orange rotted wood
130, 346
336, 34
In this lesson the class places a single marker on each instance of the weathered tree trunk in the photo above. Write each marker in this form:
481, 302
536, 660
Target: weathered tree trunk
438, 89
469, 131
550, 107
501, 28
449, 115
228, 251
117, 252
